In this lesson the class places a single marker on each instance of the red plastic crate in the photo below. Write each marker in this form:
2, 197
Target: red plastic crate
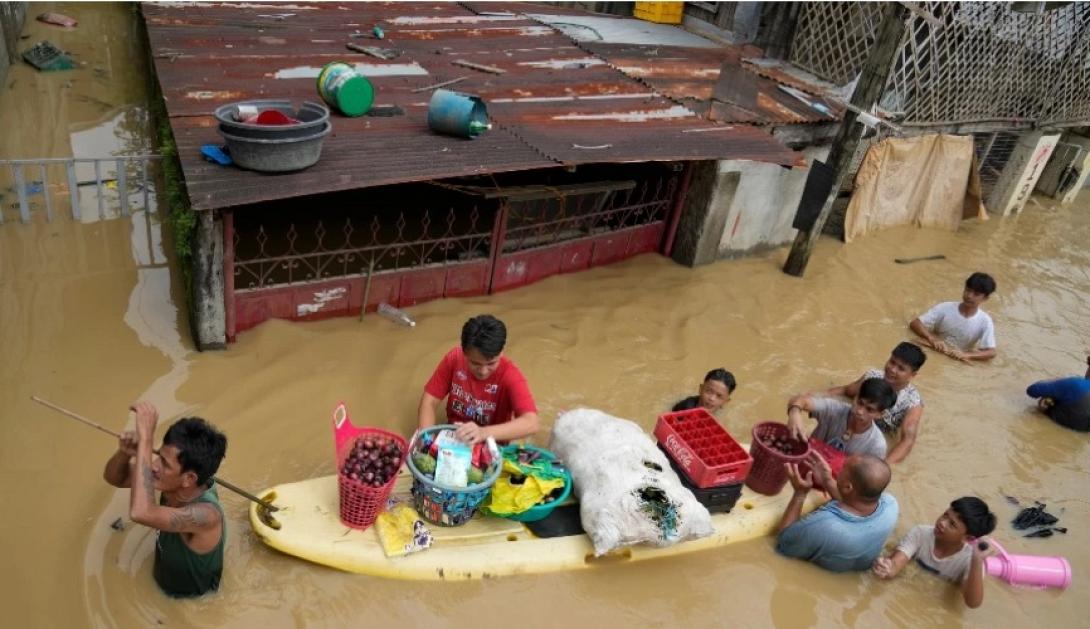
834, 457
702, 448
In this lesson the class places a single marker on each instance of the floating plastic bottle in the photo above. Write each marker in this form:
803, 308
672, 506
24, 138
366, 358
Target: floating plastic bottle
395, 315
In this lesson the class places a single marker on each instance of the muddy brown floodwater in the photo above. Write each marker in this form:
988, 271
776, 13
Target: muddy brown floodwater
89, 318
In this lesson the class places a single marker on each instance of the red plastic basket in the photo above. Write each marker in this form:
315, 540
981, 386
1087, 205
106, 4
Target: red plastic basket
834, 457
767, 475
702, 448
360, 503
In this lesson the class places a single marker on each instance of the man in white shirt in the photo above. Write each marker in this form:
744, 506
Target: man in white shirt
961, 330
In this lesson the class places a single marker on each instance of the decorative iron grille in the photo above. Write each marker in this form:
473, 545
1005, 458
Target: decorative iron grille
560, 218
960, 62
275, 253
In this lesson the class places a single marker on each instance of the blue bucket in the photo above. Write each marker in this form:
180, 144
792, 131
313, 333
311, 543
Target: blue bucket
454, 113
443, 505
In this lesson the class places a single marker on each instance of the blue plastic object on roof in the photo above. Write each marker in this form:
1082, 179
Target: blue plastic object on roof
216, 154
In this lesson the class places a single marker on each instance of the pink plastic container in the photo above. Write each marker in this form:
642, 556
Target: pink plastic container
1030, 570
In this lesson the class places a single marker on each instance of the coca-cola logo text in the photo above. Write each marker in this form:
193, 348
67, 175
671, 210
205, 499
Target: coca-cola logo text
682, 454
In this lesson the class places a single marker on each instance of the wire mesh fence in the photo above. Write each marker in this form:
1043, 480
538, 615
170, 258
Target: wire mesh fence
960, 62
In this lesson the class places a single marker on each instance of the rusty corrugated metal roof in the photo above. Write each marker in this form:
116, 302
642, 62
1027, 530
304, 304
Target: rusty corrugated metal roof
695, 77
555, 104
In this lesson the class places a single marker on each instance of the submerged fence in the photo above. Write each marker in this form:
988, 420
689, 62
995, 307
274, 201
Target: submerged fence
119, 183
960, 62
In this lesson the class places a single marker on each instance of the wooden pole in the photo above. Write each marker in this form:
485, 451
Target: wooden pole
113, 433
867, 92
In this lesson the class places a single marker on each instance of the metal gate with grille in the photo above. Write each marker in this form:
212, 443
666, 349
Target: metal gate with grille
314, 265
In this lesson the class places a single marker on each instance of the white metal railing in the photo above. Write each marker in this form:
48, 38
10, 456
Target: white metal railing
31, 177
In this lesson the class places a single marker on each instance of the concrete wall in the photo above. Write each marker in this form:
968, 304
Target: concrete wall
12, 16
735, 207
761, 209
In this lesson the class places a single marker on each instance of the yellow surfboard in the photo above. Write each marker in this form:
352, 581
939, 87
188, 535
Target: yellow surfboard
308, 526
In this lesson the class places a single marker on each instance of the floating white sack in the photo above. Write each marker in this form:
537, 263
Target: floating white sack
627, 492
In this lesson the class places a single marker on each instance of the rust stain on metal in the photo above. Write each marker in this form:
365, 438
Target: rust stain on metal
554, 100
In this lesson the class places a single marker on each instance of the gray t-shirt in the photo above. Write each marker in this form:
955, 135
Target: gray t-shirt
919, 544
832, 417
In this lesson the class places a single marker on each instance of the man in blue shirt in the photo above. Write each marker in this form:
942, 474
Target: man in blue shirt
1066, 401
848, 532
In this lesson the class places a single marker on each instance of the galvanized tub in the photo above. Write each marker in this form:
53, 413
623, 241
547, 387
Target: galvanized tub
312, 118
274, 155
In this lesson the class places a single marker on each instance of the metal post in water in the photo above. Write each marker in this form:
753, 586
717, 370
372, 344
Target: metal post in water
73, 188
45, 193
20, 189
98, 189
144, 175
122, 191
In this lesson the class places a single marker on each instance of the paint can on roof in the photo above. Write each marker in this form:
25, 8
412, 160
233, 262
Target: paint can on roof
457, 114
345, 89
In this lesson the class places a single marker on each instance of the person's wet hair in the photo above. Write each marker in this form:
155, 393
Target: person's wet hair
910, 354
975, 515
486, 334
870, 476
981, 283
878, 391
200, 446
724, 376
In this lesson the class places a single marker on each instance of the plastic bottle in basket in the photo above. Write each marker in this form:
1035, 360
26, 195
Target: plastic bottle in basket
396, 315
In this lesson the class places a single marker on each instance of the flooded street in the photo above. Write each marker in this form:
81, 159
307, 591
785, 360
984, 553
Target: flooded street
90, 318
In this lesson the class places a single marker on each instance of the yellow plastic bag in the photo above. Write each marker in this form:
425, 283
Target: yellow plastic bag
509, 499
401, 531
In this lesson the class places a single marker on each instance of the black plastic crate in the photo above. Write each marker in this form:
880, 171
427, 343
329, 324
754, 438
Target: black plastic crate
719, 499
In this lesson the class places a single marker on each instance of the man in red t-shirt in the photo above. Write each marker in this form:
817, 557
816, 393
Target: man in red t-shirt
487, 395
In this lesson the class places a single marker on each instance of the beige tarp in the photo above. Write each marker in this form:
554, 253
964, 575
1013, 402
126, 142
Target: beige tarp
927, 181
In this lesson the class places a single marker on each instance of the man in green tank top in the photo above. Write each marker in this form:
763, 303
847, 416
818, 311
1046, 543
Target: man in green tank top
188, 516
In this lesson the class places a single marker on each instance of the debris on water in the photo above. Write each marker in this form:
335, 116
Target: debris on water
46, 57
117, 525
1012, 500
58, 19
1034, 516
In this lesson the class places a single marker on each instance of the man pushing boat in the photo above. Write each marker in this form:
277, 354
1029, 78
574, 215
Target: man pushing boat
188, 516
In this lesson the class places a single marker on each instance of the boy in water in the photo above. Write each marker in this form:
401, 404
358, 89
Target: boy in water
905, 415
487, 395
950, 549
961, 330
714, 392
188, 516
849, 428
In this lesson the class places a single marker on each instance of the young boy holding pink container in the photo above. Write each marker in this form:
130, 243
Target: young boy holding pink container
949, 548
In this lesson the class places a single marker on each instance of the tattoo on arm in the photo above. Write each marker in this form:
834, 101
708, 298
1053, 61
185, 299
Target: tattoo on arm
148, 478
189, 517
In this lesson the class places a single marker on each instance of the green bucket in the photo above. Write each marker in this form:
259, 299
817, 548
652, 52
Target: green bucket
344, 89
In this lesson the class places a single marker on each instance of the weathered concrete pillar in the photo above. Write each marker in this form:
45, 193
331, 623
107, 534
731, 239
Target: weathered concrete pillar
704, 215
1067, 169
1019, 176
206, 310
